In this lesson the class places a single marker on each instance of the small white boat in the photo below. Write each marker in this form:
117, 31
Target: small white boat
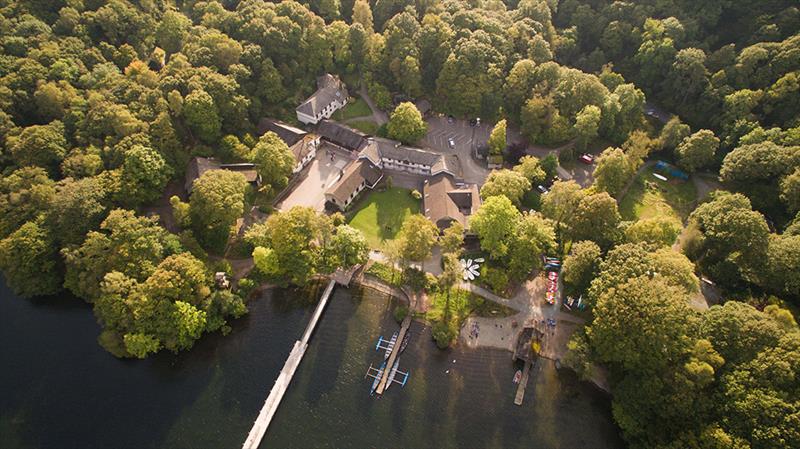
517, 376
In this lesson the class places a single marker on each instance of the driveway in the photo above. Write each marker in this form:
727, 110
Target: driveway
317, 177
465, 138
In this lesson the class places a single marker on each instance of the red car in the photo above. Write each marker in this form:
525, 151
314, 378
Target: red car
587, 159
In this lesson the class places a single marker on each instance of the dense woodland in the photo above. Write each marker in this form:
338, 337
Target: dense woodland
102, 103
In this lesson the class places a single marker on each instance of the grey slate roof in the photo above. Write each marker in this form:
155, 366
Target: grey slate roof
288, 133
329, 89
355, 173
342, 135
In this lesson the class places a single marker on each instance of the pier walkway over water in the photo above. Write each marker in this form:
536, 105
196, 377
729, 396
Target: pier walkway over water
285, 377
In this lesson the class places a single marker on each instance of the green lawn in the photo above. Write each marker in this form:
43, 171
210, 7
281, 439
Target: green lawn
649, 197
365, 126
355, 108
381, 214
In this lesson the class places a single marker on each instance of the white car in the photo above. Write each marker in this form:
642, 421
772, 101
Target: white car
451, 142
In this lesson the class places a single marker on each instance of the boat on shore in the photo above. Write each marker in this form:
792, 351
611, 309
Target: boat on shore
377, 378
390, 346
392, 373
404, 343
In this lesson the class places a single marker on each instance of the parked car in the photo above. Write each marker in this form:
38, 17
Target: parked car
586, 158
451, 142
542, 189
450, 119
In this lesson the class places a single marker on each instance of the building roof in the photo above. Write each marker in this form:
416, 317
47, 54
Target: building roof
329, 89
246, 168
288, 133
342, 135
355, 173
199, 165
445, 201
390, 149
302, 148
423, 106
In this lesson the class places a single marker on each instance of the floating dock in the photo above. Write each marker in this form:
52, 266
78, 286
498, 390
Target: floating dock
395, 351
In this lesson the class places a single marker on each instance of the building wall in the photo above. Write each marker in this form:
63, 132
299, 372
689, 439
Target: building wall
325, 113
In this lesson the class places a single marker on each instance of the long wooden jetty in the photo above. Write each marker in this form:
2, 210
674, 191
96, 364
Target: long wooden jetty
384, 383
523, 383
285, 377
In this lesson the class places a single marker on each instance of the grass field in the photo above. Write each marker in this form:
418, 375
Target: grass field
355, 108
381, 214
649, 197
365, 126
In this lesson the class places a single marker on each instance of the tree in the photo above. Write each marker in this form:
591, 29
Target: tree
494, 224
362, 14
78, 207
531, 169
417, 237
518, 87
697, 150
348, 247
144, 175
508, 183
29, 262
202, 116
587, 124
734, 237
291, 246
25, 194
452, 239
561, 203
39, 145
656, 231
216, 202
172, 31
642, 325
783, 262
125, 243
497, 138
790, 191
533, 237
581, 266
595, 218
406, 124
274, 160
673, 133
613, 171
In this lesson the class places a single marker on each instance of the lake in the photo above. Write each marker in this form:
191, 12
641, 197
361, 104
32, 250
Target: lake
60, 389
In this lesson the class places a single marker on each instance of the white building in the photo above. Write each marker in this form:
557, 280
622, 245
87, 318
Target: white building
331, 95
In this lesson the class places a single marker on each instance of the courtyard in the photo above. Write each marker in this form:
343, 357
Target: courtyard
321, 173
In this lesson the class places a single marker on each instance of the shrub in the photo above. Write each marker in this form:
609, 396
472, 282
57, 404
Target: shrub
443, 334
400, 313
495, 279
415, 193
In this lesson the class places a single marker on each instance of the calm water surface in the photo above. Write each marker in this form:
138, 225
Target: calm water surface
58, 388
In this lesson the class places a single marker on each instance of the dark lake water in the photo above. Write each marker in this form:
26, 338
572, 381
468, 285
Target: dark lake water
59, 389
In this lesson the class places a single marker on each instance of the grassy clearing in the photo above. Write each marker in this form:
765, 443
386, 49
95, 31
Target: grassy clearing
355, 108
448, 312
650, 197
381, 214
365, 126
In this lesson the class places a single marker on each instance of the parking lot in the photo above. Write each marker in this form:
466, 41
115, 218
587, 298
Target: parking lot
465, 138
321, 173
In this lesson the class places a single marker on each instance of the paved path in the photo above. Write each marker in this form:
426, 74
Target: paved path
378, 116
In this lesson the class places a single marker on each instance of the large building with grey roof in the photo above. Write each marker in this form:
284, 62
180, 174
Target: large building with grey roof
446, 198
331, 95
